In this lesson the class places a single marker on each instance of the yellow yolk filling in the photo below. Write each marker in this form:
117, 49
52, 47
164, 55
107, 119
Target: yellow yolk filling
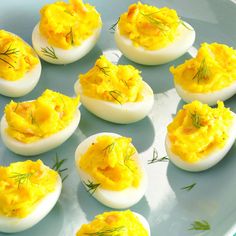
148, 26
213, 69
109, 82
198, 129
111, 163
34, 120
16, 57
23, 185
68, 24
120, 223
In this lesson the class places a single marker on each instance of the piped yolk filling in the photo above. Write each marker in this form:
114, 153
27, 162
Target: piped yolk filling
148, 26
120, 223
213, 69
109, 82
23, 185
34, 120
110, 161
197, 130
68, 24
16, 57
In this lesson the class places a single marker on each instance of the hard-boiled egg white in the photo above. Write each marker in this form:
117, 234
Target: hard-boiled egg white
40, 145
113, 110
12, 56
115, 222
70, 31
209, 77
9, 224
183, 39
115, 199
208, 158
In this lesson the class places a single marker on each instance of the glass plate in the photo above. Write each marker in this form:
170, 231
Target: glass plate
169, 209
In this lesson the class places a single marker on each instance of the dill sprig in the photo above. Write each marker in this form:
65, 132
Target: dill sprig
109, 148
185, 25
91, 187
105, 70
156, 158
200, 225
188, 187
202, 72
49, 52
58, 167
196, 120
154, 21
113, 27
21, 178
70, 35
7, 53
115, 94
108, 232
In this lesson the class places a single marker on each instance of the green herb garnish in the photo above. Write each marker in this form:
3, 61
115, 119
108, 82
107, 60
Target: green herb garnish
188, 187
21, 178
200, 225
155, 157
49, 52
109, 148
196, 120
91, 187
105, 70
113, 27
58, 167
202, 72
70, 35
9, 51
108, 232
115, 94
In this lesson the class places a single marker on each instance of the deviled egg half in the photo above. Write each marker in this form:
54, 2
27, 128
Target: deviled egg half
20, 67
111, 170
151, 36
29, 190
66, 31
115, 93
209, 77
33, 127
200, 136
120, 223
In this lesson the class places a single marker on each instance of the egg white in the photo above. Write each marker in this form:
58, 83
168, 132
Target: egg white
118, 113
114, 199
64, 56
184, 40
43, 207
208, 161
41, 145
210, 98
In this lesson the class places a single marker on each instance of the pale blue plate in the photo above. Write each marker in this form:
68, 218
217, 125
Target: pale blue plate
169, 209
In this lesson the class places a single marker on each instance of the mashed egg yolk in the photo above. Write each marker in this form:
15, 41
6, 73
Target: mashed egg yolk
23, 185
16, 57
148, 26
214, 68
110, 162
68, 24
114, 223
198, 129
109, 82
34, 120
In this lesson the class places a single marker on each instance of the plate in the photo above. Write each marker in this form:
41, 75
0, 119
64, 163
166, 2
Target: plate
169, 208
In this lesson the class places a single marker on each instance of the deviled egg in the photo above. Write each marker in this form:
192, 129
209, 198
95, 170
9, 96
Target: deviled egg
115, 93
20, 67
111, 170
66, 31
116, 223
209, 77
29, 190
33, 127
151, 36
200, 136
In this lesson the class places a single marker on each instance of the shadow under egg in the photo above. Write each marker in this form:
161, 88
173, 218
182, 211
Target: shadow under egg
141, 132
